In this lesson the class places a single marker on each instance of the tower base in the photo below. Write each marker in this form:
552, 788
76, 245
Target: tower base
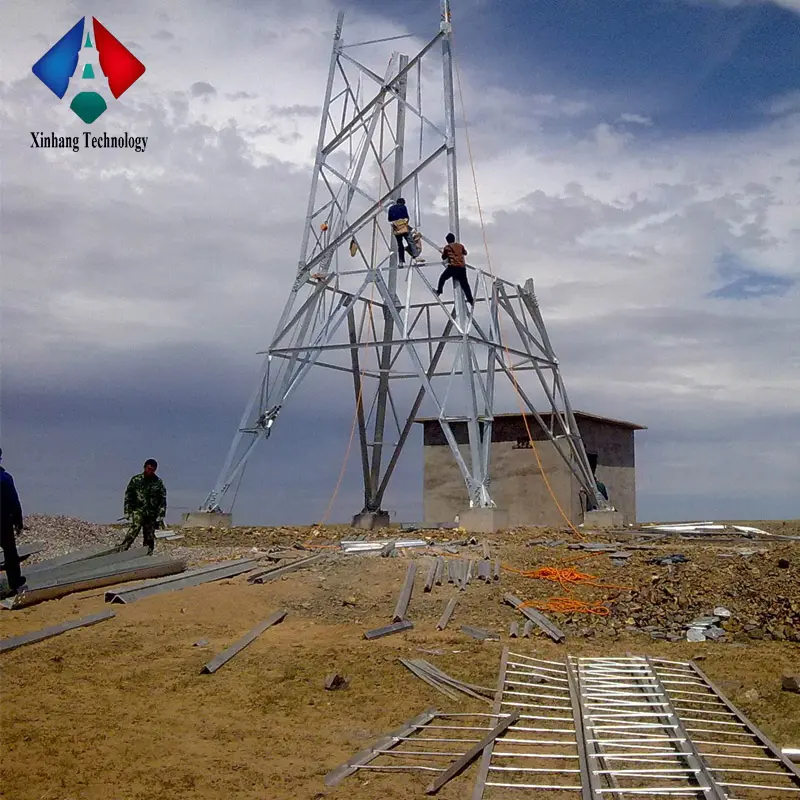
483, 520
207, 519
603, 519
369, 520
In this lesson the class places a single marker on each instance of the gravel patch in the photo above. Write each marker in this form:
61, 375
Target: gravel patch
64, 534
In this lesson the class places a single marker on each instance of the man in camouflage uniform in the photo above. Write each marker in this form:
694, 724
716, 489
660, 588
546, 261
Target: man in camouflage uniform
145, 506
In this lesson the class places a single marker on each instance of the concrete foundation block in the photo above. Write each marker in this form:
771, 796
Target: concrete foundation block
369, 520
483, 520
207, 519
603, 519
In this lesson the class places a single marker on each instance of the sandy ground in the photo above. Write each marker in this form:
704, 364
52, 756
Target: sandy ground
120, 711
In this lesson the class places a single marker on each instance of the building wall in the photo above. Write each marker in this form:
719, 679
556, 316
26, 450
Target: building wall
517, 484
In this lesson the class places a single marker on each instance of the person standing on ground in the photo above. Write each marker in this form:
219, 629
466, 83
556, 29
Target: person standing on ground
398, 217
145, 506
10, 526
454, 257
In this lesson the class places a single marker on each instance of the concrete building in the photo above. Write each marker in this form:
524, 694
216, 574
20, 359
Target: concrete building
517, 485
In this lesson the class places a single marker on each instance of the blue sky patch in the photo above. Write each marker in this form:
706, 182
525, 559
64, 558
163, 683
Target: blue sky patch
743, 283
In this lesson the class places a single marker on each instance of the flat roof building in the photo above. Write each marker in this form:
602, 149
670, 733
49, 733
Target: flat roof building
517, 485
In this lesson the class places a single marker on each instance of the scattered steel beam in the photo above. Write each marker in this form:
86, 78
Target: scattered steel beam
388, 548
439, 570
497, 569
405, 594
751, 727
13, 642
46, 573
226, 655
486, 550
423, 675
464, 761
276, 572
387, 630
336, 776
216, 572
478, 692
479, 633
430, 577
537, 618
24, 551
446, 614
526, 631
137, 569
513, 630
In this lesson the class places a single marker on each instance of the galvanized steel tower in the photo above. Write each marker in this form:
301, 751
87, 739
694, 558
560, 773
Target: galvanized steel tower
352, 308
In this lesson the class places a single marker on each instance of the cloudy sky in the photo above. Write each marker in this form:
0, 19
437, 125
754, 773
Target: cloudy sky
640, 159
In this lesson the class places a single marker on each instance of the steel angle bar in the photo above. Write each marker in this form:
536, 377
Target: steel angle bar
42, 577
446, 614
12, 643
355, 546
486, 757
431, 576
534, 616
277, 572
439, 570
387, 742
590, 783
226, 655
479, 633
387, 630
422, 674
69, 558
464, 761
405, 594
754, 730
47, 574
148, 567
477, 692
24, 551
227, 569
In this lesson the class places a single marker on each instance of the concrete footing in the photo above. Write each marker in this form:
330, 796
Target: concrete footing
603, 519
369, 520
483, 520
207, 519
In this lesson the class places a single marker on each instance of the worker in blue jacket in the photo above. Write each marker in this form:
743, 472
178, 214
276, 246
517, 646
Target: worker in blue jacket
401, 228
10, 526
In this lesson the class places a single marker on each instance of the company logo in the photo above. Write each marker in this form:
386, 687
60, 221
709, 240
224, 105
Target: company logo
85, 66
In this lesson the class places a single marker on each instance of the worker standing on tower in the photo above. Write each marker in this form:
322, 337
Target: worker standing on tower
398, 218
454, 258
145, 506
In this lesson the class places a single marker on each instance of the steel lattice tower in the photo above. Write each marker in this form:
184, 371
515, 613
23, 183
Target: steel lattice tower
352, 309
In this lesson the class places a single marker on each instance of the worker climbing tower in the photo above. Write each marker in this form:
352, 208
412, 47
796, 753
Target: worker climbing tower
353, 308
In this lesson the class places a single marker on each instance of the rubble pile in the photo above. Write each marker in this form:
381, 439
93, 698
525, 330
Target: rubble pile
708, 596
62, 534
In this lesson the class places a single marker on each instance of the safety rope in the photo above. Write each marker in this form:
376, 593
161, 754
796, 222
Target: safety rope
566, 577
491, 271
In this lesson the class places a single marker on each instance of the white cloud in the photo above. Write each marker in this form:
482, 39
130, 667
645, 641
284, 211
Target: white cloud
194, 243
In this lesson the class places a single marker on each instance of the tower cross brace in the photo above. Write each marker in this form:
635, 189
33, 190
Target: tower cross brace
353, 308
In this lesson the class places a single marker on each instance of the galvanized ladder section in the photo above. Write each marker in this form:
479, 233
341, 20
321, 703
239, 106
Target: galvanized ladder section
429, 743
635, 742
740, 758
630, 727
541, 751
